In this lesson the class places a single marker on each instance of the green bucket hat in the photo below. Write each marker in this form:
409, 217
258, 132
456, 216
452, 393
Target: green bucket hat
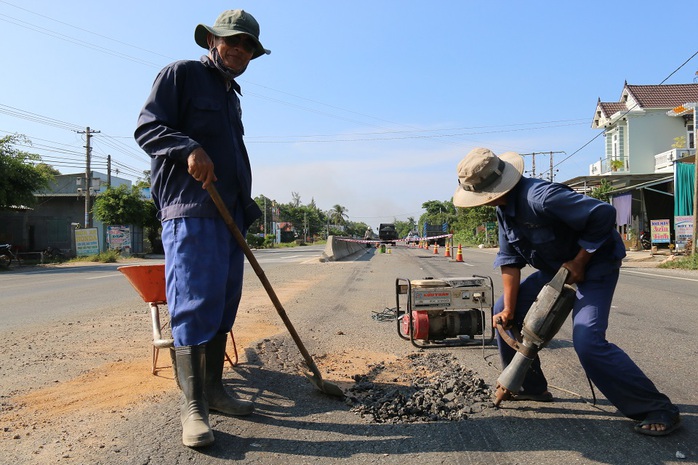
230, 23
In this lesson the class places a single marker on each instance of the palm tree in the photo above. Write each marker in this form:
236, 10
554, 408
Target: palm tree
338, 215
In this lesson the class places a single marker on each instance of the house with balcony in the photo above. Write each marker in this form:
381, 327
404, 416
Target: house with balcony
640, 137
645, 140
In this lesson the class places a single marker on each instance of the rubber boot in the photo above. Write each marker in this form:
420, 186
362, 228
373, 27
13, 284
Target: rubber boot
191, 373
218, 398
173, 357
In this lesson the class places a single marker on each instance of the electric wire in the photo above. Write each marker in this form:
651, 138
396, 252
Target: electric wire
57, 123
86, 30
80, 42
435, 136
72, 40
387, 314
34, 117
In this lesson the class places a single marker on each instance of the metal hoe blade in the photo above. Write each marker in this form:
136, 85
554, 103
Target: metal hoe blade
315, 377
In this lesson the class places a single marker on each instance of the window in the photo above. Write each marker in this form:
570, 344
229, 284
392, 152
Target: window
690, 136
614, 148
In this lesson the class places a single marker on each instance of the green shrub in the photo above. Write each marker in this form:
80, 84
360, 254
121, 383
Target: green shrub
110, 256
269, 241
254, 241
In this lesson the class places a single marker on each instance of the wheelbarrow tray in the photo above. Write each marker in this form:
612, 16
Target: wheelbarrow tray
148, 280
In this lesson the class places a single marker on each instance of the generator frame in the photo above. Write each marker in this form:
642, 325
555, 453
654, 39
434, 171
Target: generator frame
403, 286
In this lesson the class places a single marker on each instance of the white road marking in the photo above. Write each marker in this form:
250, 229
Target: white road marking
654, 275
105, 276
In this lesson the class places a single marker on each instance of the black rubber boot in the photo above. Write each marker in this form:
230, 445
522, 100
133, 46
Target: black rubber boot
173, 357
191, 373
218, 398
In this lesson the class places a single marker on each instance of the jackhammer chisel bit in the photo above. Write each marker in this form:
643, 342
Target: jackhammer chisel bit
543, 320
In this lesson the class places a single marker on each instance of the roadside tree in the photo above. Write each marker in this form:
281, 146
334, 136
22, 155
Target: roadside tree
22, 173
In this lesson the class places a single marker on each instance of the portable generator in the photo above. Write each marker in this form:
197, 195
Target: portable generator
445, 311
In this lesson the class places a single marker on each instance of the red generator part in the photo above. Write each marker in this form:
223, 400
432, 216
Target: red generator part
420, 325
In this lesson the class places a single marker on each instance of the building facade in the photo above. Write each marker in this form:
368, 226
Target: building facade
60, 209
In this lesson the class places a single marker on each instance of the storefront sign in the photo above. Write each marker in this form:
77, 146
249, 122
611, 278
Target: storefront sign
683, 228
86, 242
119, 238
661, 231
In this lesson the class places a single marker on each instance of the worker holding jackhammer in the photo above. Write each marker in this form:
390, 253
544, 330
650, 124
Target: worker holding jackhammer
192, 129
548, 226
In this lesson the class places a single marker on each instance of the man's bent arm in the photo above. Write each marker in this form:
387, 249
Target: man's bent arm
511, 279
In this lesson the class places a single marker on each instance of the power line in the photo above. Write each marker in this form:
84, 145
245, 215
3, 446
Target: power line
81, 43
252, 140
438, 138
71, 158
86, 30
57, 123
36, 118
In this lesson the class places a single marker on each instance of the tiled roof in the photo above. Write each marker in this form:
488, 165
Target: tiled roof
664, 96
610, 108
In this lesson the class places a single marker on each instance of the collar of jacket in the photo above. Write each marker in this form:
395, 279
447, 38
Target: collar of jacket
229, 82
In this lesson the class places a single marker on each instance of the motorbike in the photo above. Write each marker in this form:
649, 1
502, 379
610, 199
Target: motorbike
54, 254
645, 241
6, 255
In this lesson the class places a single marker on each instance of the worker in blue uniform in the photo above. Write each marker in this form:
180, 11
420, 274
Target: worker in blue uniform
191, 126
548, 225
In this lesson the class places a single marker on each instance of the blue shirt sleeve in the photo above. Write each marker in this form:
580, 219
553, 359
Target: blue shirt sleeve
157, 132
507, 255
592, 218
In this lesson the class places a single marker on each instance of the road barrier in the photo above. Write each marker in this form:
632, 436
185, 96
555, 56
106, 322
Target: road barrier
338, 247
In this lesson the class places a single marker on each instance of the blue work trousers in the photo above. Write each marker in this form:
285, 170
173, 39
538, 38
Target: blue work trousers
608, 367
203, 274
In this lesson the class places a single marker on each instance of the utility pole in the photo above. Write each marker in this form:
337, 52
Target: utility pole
551, 177
695, 184
552, 171
108, 171
88, 176
533, 162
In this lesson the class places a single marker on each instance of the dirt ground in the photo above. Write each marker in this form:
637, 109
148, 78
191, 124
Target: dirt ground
59, 397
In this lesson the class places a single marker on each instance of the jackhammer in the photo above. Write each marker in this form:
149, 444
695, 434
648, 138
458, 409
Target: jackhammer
543, 320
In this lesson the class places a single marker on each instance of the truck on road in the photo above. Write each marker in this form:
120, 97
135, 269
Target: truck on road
387, 233
430, 230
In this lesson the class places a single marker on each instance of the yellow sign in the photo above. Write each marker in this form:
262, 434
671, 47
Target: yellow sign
86, 242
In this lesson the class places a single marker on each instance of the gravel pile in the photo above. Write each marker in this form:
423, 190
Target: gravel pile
424, 388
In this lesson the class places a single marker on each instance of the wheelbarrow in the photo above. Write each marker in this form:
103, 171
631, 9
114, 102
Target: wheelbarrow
149, 282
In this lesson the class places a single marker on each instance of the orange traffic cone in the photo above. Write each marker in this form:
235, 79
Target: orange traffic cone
459, 254
436, 248
448, 250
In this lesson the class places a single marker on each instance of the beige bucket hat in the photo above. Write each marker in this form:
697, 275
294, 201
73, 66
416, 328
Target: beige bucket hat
484, 176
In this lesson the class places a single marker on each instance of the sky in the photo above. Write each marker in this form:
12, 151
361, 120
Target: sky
365, 104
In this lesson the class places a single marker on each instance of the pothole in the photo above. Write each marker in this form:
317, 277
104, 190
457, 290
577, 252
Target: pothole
422, 387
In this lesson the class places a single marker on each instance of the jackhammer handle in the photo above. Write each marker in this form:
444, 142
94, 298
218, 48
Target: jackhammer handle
510, 341
260, 273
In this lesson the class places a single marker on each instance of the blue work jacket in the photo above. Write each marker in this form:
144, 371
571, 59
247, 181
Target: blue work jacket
545, 224
191, 105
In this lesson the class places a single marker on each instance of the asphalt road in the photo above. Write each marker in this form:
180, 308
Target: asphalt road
654, 320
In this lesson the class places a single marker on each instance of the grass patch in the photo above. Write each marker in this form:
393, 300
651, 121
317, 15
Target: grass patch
110, 256
685, 263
